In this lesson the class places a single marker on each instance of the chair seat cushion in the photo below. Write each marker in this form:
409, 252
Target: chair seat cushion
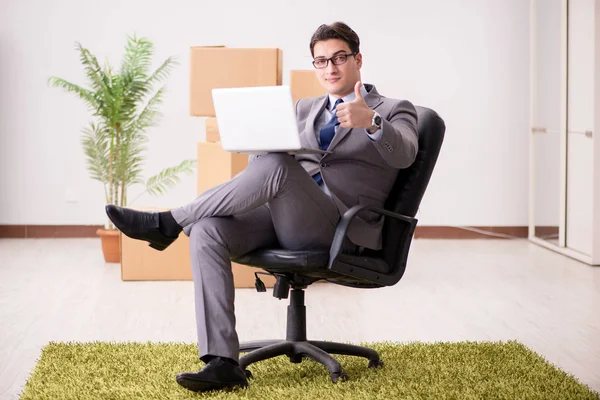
304, 259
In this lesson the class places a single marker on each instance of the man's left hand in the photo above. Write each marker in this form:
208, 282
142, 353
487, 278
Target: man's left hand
355, 114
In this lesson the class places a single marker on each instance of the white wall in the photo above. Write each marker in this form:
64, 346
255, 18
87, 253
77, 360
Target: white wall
467, 59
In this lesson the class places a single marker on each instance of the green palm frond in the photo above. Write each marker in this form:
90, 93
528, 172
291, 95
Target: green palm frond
95, 141
138, 56
130, 160
149, 115
98, 79
134, 69
163, 71
169, 177
86, 95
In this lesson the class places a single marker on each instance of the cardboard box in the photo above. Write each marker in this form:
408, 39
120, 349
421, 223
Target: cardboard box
221, 67
139, 262
212, 130
217, 166
304, 84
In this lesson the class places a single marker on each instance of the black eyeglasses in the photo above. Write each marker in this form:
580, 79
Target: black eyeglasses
339, 59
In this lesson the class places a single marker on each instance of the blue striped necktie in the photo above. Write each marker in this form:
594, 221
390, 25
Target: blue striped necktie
326, 135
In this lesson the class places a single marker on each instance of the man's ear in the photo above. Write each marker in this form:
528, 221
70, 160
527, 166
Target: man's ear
358, 60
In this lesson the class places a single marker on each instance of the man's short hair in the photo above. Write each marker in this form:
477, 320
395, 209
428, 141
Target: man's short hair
337, 30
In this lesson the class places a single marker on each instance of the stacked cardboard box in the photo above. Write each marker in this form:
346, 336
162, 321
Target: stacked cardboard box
212, 130
222, 67
304, 84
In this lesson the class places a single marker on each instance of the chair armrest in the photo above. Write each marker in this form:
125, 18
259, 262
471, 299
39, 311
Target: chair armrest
342, 226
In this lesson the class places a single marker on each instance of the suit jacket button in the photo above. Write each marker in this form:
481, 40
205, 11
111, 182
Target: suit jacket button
323, 165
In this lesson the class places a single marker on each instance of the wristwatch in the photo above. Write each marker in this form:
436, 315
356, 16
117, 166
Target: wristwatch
375, 122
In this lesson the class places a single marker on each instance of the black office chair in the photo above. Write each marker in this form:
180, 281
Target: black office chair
370, 269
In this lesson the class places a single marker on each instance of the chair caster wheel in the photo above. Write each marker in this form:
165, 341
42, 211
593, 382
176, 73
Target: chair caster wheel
296, 359
375, 364
341, 376
248, 374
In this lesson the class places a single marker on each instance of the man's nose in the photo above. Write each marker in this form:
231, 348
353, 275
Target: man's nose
331, 67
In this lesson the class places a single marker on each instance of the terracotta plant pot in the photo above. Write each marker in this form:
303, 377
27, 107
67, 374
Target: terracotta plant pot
110, 245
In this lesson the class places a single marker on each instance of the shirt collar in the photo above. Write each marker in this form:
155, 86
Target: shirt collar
348, 98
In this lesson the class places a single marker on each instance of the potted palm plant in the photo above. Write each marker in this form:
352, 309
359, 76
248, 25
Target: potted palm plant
124, 105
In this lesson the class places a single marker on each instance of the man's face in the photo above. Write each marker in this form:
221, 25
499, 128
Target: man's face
338, 80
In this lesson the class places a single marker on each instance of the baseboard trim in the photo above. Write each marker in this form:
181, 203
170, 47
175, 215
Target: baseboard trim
471, 232
48, 231
422, 232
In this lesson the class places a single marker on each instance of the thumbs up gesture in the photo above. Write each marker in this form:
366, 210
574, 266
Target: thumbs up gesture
355, 114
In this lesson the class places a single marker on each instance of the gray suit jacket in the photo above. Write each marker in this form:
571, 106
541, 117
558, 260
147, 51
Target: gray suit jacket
360, 170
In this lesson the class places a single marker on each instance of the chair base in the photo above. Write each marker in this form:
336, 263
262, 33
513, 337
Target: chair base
315, 350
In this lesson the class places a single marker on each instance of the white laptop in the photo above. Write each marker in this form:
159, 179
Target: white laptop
258, 120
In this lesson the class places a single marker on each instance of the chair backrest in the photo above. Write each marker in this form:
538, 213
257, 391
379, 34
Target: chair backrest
408, 191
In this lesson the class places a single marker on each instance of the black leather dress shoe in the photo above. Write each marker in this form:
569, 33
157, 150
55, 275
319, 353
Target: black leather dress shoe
217, 374
139, 225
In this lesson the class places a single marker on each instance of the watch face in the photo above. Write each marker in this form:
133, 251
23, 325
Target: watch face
377, 120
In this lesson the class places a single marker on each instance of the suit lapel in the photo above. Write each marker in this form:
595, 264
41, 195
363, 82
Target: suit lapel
373, 100
309, 130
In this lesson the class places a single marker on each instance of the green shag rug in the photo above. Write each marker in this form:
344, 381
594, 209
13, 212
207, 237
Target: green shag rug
467, 370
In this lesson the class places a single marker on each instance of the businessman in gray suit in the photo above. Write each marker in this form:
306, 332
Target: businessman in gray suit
293, 202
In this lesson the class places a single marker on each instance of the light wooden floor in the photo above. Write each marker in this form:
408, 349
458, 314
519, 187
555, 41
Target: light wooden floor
59, 289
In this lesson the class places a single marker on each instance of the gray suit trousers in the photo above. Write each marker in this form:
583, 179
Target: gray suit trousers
273, 202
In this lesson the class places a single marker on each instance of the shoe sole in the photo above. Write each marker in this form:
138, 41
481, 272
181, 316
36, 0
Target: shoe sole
157, 246
205, 386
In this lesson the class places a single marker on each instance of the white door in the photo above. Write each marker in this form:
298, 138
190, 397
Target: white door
580, 118
548, 108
